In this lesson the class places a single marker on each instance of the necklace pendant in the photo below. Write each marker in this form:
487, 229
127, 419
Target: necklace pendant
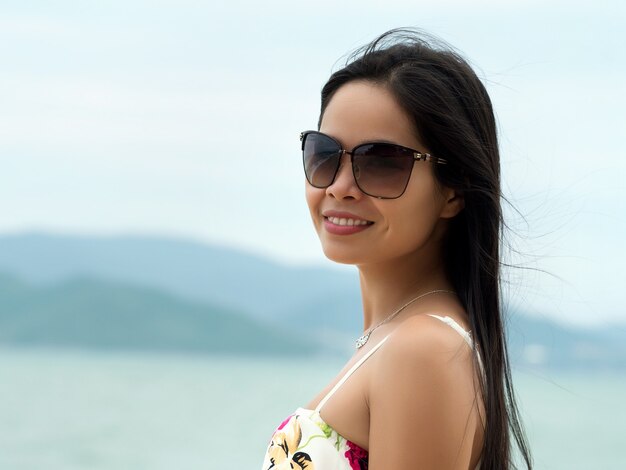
362, 340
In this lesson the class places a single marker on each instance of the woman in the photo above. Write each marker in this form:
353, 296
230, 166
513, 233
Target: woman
403, 181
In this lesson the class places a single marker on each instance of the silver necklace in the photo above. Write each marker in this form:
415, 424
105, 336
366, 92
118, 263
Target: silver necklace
363, 339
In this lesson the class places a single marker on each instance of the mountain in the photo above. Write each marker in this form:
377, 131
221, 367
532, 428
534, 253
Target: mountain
535, 341
233, 279
114, 282
90, 313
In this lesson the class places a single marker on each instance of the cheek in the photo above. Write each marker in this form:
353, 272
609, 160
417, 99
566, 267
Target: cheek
314, 197
411, 230
413, 222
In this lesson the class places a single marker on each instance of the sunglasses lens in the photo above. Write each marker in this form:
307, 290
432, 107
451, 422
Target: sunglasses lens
382, 170
321, 159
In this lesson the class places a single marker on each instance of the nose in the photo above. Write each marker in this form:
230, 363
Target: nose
344, 184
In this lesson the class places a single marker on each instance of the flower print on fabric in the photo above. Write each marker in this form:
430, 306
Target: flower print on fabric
304, 441
357, 456
282, 451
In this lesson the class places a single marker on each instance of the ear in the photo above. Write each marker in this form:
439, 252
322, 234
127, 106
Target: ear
453, 203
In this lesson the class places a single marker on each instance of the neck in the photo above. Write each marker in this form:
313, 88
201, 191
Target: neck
385, 287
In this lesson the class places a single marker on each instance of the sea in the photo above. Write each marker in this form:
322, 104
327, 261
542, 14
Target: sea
74, 409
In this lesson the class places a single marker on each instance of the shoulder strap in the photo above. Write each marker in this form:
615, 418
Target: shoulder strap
447, 320
350, 372
458, 328
465, 334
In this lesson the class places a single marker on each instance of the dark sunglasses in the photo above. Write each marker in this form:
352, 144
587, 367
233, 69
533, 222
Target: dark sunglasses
380, 169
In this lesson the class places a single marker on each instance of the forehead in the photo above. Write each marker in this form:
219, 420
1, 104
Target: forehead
361, 111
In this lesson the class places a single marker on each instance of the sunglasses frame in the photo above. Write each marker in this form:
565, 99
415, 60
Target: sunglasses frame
417, 156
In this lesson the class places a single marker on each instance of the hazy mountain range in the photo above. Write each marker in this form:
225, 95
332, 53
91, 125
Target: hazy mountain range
155, 293
90, 313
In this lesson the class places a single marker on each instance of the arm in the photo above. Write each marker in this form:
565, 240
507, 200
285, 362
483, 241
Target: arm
423, 406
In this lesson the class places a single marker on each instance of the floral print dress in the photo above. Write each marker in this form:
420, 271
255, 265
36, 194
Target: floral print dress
304, 441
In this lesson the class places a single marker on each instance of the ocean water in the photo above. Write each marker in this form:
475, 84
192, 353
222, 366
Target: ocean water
66, 410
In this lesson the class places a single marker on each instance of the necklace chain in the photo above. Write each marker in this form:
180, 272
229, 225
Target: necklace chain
363, 339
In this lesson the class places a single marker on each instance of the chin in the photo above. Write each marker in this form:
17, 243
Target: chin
342, 256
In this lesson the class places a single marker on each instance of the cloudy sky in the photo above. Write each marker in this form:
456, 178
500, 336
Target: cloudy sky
182, 118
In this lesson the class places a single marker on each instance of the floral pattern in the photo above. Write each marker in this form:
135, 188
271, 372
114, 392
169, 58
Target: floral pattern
357, 456
304, 441
283, 446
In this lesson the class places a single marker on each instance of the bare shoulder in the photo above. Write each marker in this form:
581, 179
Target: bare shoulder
425, 340
422, 398
424, 353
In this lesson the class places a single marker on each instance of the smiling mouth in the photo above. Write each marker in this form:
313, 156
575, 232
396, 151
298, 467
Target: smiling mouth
341, 221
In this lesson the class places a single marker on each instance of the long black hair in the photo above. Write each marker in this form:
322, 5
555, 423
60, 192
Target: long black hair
454, 119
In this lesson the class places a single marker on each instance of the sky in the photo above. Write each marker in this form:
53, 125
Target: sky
181, 118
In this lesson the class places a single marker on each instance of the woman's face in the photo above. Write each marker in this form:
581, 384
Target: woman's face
361, 112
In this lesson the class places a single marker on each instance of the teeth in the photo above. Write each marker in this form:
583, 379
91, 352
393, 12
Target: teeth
342, 221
